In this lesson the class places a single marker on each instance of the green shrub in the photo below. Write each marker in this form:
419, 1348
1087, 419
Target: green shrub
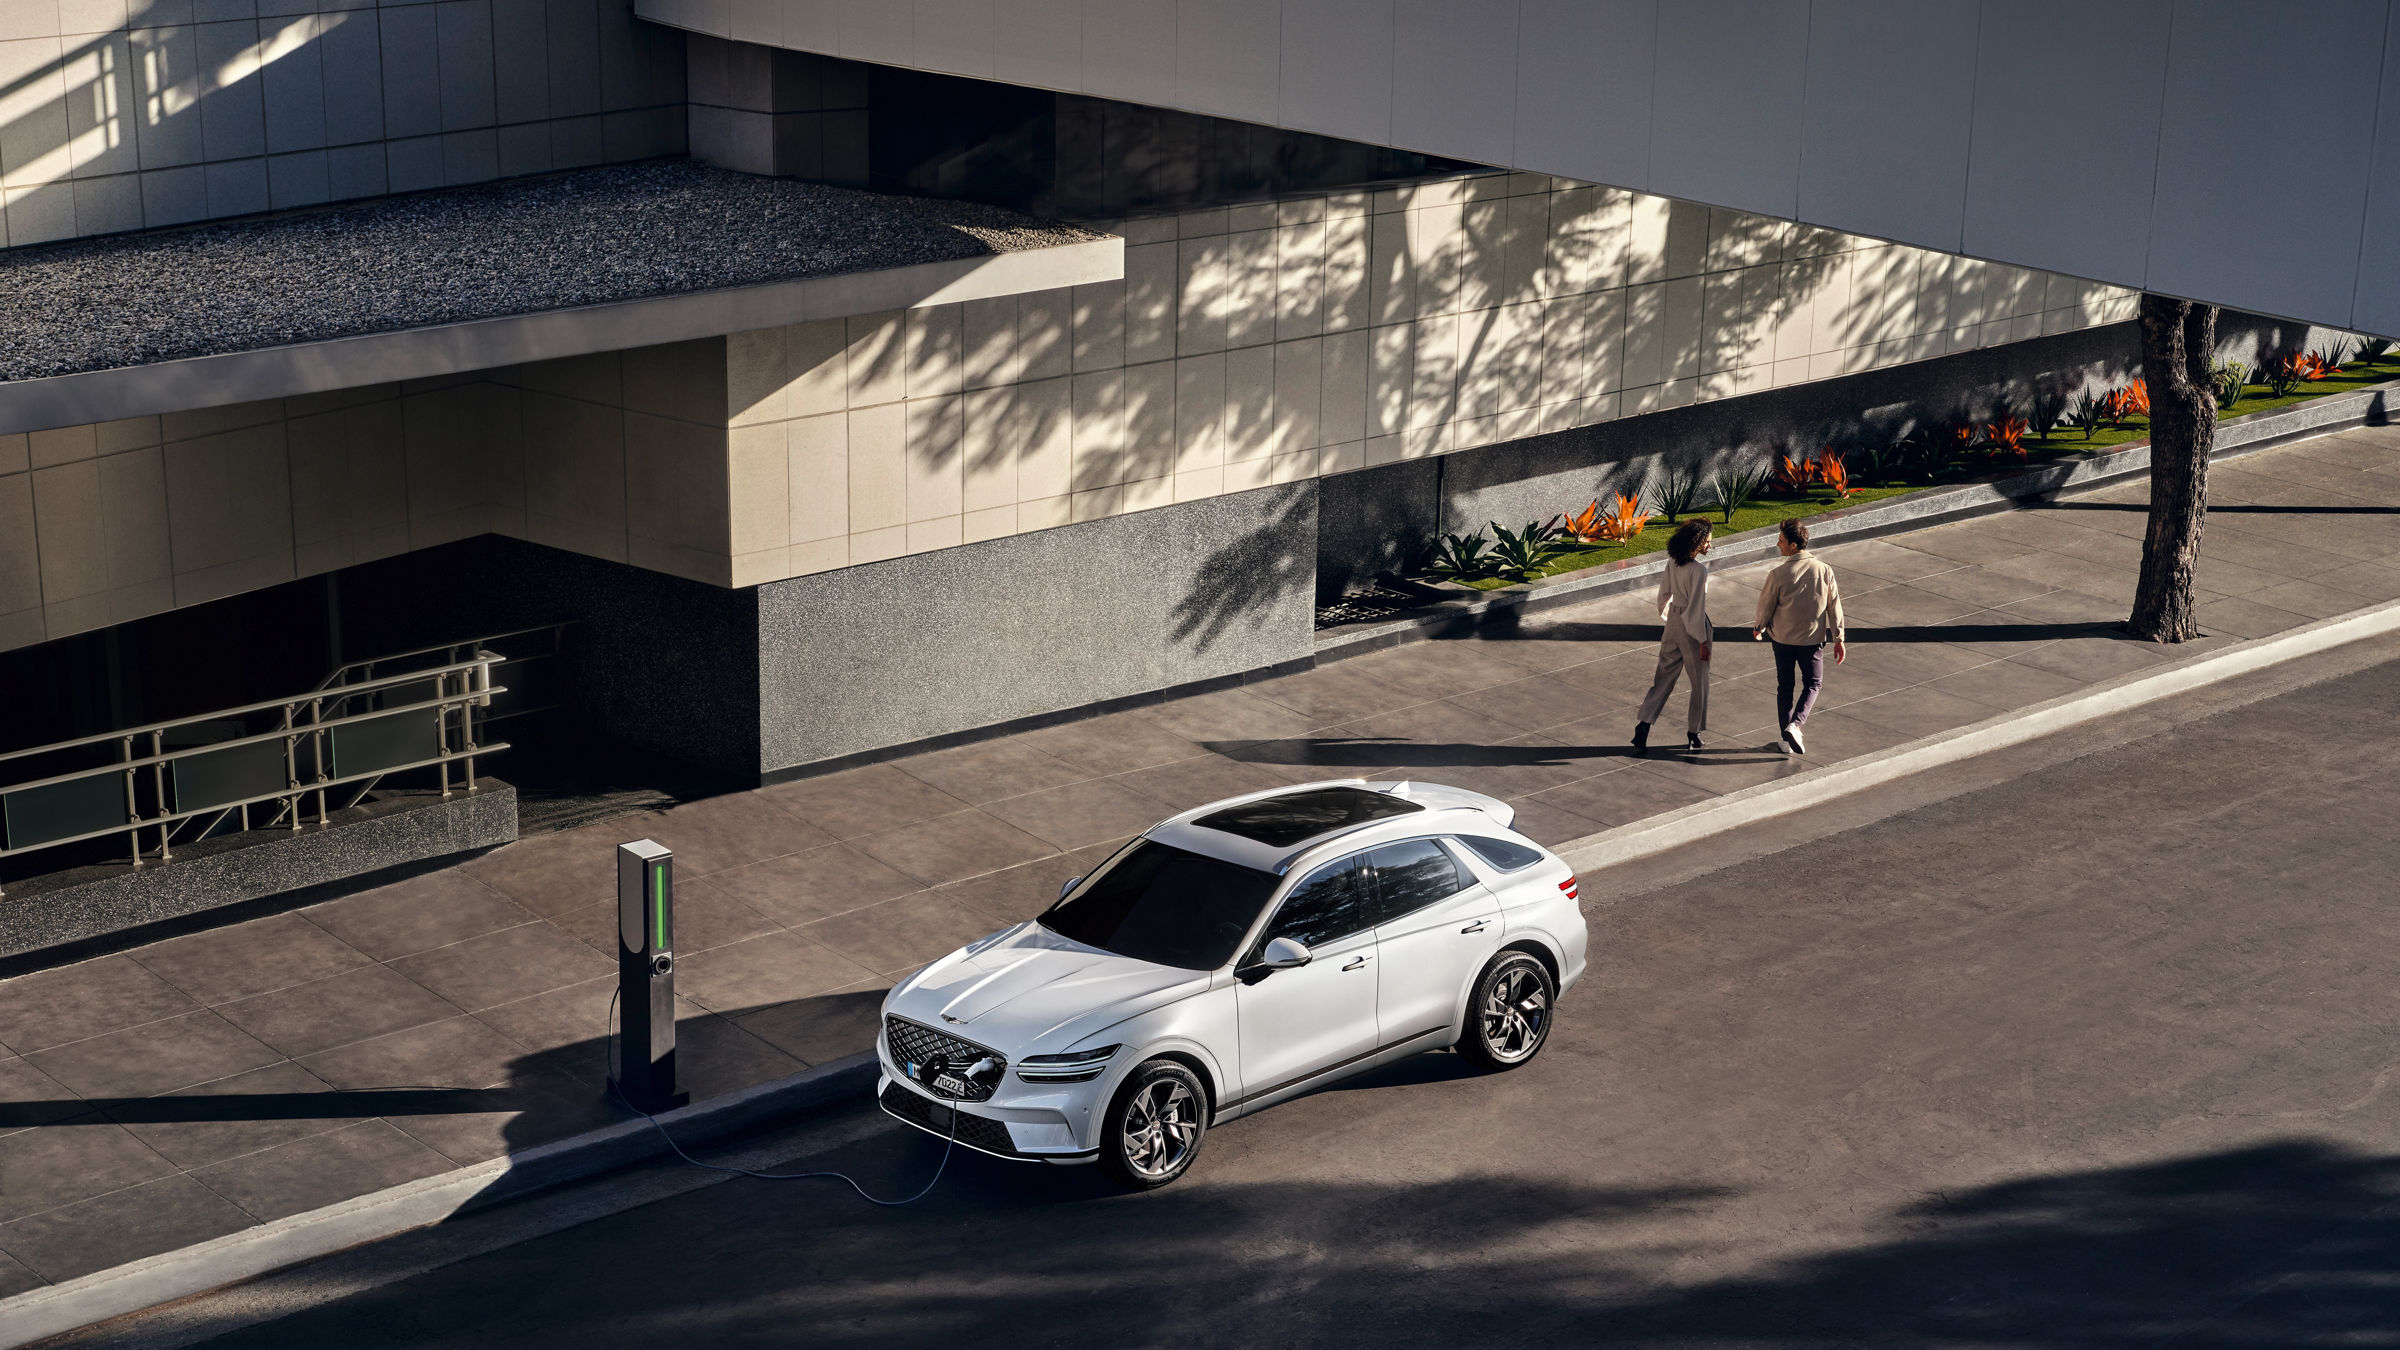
2285, 373
1675, 492
2049, 405
1736, 488
1518, 554
2230, 379
2090, 410
1460, 557
1872, 465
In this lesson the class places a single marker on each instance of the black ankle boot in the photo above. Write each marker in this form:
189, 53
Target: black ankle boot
1641, 735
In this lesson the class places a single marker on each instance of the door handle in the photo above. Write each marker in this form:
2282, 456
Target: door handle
1475, 927
1355, 963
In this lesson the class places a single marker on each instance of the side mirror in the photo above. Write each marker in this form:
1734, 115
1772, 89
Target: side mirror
1071, 884
1284, 954
1280, 954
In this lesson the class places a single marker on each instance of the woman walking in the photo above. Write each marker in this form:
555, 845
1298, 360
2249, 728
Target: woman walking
1684, 646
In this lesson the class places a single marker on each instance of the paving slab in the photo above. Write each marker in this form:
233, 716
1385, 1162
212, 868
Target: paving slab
178, 1091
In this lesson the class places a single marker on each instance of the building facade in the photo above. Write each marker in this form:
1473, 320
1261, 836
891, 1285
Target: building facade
870, 500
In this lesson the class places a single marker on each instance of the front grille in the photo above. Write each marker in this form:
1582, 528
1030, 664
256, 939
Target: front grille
974, 1131
933, 1051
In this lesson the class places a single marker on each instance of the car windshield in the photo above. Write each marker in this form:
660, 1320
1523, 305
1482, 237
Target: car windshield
1164, 904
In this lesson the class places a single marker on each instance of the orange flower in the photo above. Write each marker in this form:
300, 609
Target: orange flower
1625, 521
2007, 436
1831, 473
2297, 368
1585, 524
1790, 478
2137, 398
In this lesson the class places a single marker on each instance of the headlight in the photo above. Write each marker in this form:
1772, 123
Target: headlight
1076, 1066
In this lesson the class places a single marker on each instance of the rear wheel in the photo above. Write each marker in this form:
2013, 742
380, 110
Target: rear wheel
1152, 1130
1508, 1015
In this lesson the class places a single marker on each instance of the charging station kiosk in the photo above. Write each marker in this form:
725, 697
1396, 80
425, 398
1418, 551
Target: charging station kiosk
646, 976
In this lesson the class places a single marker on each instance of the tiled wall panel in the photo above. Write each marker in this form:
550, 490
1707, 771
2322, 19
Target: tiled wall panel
1268, 343
119, 117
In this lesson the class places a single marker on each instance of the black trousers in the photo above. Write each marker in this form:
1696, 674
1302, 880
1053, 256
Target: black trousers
1802, 664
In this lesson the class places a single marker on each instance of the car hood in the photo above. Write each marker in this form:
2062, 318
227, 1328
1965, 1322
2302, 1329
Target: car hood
1028, 987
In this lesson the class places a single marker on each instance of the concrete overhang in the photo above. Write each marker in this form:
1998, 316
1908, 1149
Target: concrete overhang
1039, 256
2101, 156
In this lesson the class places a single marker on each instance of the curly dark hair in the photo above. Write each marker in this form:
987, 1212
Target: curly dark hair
1687, 538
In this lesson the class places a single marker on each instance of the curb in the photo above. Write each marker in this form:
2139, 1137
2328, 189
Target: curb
1703, 820
55, 1309
2245, 435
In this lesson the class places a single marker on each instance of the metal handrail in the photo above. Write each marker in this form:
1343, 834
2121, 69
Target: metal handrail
335, 680
281, 733
219, 808
453, 742
264, 705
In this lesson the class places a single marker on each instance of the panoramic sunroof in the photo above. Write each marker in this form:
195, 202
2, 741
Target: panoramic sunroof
1278, 821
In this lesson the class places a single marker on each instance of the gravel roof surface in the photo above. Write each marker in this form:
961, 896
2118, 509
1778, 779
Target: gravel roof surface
591, 237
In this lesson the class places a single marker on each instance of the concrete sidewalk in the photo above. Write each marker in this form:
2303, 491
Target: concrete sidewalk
181, 1091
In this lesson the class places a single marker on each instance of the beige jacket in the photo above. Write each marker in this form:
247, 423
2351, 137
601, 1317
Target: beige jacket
1801, 604
1683, 597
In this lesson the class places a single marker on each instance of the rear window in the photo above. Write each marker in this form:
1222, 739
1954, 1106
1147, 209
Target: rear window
1166, 905
1280, 822
1501, 853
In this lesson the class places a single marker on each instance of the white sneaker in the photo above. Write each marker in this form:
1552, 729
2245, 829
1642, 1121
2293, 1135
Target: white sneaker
1791, 738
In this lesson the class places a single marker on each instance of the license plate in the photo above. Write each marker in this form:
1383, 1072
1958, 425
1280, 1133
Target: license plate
950, 1083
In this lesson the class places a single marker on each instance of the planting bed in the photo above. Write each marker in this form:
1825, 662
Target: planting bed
2064, 442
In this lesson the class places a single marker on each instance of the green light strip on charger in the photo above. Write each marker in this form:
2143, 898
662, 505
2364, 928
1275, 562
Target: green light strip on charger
658, 905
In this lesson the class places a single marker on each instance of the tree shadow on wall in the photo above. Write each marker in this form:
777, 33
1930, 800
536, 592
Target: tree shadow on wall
1261, 578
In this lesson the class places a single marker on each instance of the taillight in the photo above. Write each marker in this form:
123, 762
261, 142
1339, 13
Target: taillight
1569, 887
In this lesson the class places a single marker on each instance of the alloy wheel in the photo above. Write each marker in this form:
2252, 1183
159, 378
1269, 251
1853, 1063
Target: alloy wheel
1515, 1015
1162, 1123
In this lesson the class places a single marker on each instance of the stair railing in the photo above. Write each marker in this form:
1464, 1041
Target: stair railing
327, 739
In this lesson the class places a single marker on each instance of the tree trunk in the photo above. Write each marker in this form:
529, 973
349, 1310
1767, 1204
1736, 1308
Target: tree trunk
2179, 345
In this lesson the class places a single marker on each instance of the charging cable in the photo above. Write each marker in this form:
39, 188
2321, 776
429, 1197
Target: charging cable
609, 1053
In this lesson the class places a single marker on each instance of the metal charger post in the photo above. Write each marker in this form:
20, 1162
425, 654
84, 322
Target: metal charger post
646, 976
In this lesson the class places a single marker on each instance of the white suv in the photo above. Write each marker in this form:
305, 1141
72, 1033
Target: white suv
1233, 957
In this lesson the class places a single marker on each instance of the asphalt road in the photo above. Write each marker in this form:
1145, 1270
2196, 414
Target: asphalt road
2101, 1056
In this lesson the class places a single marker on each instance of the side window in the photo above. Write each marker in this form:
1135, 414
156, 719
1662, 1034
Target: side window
1323, 907
1409, 876
1501, 853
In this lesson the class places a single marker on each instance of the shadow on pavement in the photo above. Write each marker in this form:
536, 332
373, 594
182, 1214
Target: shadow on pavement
1368, 752
1957, 632
1345, 752
2279, 1245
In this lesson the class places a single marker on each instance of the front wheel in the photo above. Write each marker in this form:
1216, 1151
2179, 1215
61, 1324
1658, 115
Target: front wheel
1508, 1014
1152, 1130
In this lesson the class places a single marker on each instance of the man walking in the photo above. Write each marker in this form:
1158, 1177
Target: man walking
1800, 610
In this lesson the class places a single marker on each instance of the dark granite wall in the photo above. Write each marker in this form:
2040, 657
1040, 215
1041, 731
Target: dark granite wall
652, 660
937, 643
1377, 520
